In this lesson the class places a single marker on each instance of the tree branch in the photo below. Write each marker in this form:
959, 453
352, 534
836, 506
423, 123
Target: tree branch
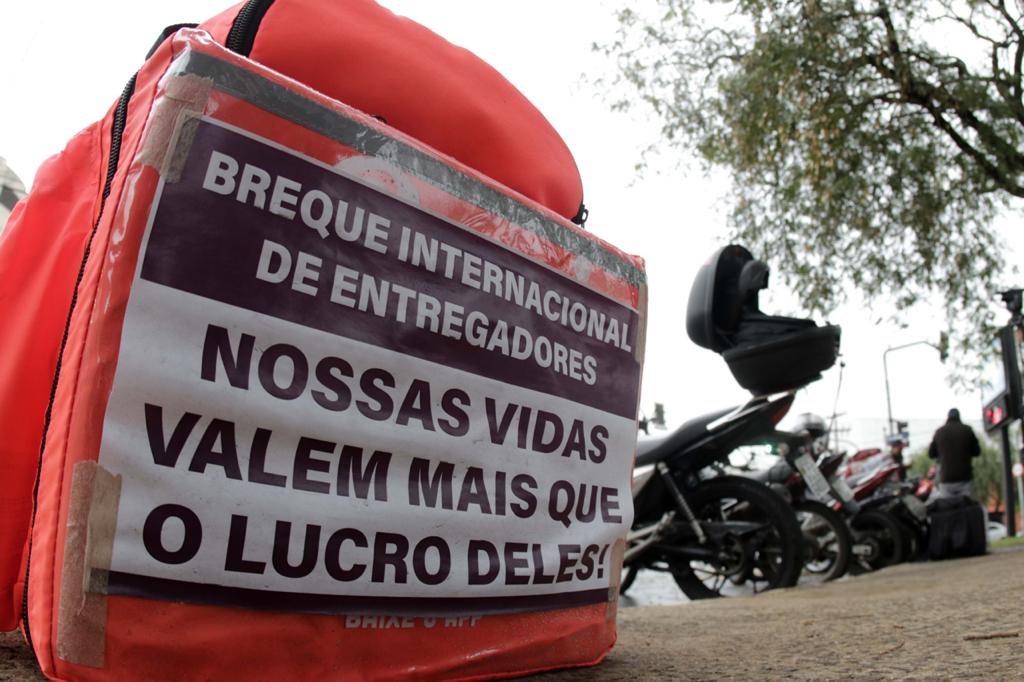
936, 101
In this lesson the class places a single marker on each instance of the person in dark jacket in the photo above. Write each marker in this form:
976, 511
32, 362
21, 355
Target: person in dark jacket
954, 446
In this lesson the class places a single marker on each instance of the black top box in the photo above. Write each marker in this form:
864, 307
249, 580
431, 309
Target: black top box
766, 353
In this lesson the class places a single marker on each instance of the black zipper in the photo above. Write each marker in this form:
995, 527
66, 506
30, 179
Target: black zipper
240, 40
247, 22
116, 133
165, 34
581, 216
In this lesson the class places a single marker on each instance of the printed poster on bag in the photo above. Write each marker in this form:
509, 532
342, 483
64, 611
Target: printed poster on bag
328, 399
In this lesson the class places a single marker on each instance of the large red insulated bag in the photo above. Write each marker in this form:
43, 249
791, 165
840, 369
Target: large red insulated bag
307, 374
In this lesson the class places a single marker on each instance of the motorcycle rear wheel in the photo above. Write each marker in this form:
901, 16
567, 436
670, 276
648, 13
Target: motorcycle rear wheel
770, 557
883, 532
827, 541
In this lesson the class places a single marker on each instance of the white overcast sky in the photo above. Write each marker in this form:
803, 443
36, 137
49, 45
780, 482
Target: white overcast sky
63, 63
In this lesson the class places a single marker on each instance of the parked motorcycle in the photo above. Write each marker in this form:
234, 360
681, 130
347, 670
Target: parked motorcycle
874, 512
882, 531
709, 530
879, 539
797, 476
882, 491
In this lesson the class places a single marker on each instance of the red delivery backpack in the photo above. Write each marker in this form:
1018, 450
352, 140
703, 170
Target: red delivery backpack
308, 373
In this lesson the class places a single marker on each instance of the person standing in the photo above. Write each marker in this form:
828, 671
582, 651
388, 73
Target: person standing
954, 445
896, 446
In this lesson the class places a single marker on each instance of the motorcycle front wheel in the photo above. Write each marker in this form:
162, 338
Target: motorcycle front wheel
767, 552
827, 541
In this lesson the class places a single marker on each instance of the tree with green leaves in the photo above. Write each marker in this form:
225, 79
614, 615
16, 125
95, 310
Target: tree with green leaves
870, 142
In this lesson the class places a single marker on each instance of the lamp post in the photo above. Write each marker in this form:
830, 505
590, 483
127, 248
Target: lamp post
942, 346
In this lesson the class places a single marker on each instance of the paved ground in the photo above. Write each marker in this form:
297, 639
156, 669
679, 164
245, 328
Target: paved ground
958, 620
922, 621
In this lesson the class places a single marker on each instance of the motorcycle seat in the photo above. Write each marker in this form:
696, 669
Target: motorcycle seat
653, 450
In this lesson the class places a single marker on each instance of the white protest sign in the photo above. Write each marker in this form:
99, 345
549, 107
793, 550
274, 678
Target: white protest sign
327, 399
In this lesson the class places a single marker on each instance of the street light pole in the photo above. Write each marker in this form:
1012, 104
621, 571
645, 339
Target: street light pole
885, 369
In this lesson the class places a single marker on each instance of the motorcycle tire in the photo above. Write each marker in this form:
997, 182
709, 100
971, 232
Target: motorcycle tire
828, 543
912, 542
778, 558
884, 533
628, 576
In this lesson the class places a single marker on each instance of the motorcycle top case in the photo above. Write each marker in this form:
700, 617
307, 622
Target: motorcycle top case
329, 403
766, 353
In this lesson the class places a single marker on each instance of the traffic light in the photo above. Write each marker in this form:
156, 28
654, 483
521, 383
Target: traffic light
943, 346
996, 413
903, 431
1014, 300
659, 415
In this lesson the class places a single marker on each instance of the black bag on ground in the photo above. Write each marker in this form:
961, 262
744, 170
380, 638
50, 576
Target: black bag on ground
956, 528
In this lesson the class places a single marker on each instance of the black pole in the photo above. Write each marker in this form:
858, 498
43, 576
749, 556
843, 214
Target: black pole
1009, 489
1017, 482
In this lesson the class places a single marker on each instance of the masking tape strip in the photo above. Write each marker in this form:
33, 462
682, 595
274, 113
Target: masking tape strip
641, 333
618, 553
88, 546
99, 546
168, 136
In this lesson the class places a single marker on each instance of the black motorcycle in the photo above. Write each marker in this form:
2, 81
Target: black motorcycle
706, 529
893, 522
802, 478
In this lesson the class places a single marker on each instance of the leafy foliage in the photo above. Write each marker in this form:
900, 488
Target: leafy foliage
988, 475
920, 463
863, 148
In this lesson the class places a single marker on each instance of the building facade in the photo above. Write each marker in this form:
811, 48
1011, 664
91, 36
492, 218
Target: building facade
12, 190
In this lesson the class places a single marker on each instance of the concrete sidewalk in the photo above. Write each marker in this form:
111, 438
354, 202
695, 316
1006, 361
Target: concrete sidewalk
959, 620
